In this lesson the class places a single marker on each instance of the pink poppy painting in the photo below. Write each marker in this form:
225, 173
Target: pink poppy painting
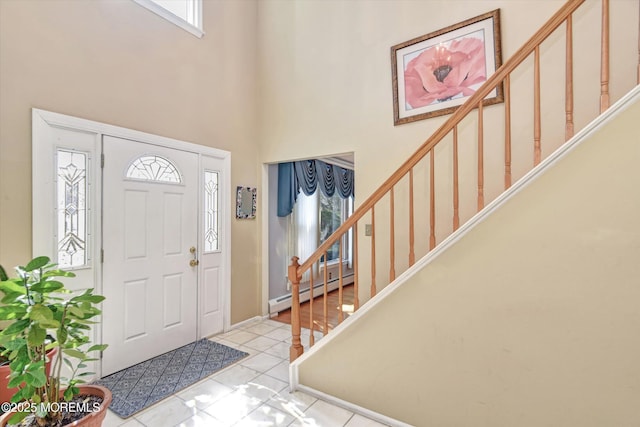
435, 73
440, 72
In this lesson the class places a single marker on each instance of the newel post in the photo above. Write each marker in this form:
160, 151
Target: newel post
294, 277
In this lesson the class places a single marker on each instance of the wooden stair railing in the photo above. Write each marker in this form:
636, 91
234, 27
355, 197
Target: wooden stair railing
501, 76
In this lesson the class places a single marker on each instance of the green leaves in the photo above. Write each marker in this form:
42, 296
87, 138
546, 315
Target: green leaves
36, 336
74, 353
17, 327
58, 273
13, 286
42, 318
47, 286
88, 297
35, 375
41, 313
98, 347
76, 311
36, 263
17, 417
8, 312
70, 392
3, 274
31, 374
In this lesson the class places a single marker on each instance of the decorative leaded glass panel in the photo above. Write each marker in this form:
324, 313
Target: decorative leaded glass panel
154, 168
71, 208
211, 226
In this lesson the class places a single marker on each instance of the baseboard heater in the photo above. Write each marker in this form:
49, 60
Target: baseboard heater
284, 302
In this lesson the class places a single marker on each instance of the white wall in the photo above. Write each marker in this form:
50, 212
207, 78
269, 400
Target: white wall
530, 319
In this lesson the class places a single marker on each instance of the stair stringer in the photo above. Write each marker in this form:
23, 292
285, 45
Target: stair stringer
629, 100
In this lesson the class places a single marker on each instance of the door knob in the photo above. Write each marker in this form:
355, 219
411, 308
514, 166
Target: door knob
194, 261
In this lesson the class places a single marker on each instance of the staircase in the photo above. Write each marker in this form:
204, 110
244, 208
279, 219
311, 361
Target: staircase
443, 345
394, 201
526, 316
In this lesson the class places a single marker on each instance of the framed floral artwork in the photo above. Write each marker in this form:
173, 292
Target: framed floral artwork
435, 73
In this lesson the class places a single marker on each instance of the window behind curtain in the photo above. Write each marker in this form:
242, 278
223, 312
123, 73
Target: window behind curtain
314, 219
332, 214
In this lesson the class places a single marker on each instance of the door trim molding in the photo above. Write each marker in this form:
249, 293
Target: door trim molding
43, 177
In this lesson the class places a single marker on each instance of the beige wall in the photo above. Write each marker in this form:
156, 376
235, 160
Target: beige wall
271, 80
531, 319
326, 88
115, 62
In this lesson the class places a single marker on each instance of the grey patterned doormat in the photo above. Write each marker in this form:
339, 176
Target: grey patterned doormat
146, 383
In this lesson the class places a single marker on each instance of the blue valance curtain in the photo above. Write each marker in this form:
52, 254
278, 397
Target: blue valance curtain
307, 175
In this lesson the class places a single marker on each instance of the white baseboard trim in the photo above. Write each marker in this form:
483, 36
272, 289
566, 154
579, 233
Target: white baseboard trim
352, 407
246, 322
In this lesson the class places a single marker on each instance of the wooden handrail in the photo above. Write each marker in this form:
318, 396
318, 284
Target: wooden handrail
492, 82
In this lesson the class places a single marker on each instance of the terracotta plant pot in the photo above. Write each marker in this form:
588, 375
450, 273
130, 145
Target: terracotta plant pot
7, 393
94, 419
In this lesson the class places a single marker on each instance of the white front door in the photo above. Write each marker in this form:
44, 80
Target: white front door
150, 238
155, 300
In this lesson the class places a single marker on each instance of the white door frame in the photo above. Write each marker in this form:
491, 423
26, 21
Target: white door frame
43, 179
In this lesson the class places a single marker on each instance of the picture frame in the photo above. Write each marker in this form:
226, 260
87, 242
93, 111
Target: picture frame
246, 202
434, 74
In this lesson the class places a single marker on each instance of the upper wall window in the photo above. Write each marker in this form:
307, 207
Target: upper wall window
186, 14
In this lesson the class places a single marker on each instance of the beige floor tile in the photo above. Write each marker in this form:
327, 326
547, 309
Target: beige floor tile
280, 371
261, 343
169, 412
261, 362
233, 407
266, 415
241, 336
235, 376
280, 350
202, 419
264, 387
204, 394
322, 414
292, 403
279, 334
261, 328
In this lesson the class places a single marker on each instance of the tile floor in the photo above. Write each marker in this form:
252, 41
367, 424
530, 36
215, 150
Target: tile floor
251, 393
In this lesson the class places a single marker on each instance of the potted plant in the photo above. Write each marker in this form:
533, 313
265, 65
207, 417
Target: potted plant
41, 317
5, 392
